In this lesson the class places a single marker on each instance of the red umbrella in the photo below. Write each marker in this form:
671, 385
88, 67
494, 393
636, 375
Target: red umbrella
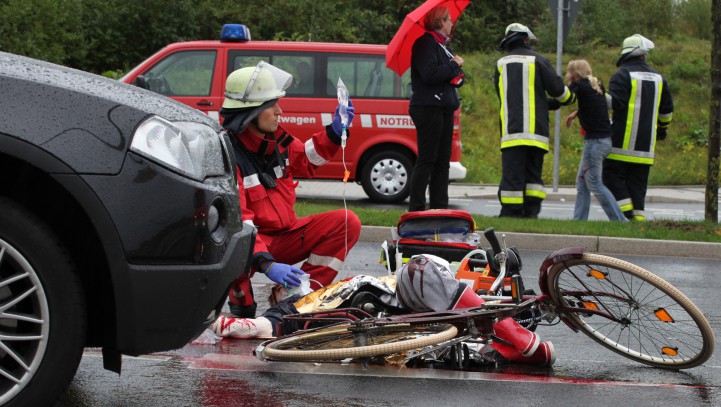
398, 53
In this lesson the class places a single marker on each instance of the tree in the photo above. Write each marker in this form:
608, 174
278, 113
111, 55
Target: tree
42, 29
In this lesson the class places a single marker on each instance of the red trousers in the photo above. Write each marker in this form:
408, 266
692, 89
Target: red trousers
322, 240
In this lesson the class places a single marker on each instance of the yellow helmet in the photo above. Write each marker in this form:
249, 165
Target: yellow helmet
253, 86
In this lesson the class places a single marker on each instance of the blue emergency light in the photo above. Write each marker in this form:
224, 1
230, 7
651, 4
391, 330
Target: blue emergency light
234, 33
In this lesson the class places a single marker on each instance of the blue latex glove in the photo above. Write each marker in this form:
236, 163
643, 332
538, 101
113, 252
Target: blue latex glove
337, 125
284, 274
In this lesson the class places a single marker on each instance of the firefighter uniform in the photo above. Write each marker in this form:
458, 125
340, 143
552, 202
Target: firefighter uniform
642, 111
323, 239
524, 79
267, 159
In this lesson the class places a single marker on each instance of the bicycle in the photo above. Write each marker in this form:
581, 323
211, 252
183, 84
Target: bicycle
621, 306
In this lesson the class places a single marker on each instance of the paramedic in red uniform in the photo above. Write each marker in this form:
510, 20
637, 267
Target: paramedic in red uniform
267, 160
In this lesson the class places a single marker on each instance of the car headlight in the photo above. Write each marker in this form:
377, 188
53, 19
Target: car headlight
195, 151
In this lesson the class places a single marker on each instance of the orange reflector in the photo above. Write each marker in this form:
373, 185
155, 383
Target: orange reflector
663, 316
589, 305
597, 274
669, 351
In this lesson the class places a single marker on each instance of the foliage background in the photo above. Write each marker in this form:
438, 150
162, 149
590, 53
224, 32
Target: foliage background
111, 36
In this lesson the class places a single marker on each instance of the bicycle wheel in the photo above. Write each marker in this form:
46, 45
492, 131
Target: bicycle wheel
353, 341
655, 323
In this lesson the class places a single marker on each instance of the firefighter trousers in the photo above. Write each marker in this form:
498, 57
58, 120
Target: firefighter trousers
628, 183
322, 240
521, 191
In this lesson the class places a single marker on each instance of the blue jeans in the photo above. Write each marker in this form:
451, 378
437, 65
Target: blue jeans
590, 179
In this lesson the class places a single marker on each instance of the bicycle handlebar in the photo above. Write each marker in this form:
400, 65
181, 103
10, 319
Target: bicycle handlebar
490, 235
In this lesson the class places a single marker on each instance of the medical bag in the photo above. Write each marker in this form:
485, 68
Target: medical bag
446, 233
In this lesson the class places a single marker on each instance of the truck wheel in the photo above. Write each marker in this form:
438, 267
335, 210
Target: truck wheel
42, 311
386, 177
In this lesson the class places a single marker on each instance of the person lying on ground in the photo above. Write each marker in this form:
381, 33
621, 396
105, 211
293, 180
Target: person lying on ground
424, 284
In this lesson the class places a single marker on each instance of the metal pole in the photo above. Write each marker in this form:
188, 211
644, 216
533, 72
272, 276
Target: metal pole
557, 127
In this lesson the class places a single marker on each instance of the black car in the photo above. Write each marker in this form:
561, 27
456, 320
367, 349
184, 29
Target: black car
120, 224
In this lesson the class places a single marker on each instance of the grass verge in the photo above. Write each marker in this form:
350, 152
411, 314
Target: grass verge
698, 231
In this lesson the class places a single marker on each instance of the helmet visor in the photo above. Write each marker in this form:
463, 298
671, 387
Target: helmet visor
266, 83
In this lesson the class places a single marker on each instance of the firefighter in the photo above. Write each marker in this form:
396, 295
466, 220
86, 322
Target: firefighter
524, 80
268, 158
642, 111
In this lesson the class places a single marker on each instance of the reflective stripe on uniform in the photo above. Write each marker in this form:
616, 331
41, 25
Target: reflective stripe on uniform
536, 191
511, 197
502, 96
251, 181
566, 96
625, 205
665, 119
529, 92
638, 215
636, 157
529, 84
312, 154
326, 261
524, 139
628, 153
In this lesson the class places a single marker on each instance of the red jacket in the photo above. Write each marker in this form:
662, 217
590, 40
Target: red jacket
271, 210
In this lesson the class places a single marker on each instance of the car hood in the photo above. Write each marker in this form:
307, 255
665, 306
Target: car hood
57, 109
53, 75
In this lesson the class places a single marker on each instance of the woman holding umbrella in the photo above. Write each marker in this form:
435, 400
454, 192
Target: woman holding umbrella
435, 75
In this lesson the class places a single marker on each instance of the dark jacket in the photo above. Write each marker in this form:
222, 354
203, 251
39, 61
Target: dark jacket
431, 72
635, 122
592, 109
524, 110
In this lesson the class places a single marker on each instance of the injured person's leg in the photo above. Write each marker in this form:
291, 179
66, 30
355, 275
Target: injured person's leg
242, 328
427, 284
269, 325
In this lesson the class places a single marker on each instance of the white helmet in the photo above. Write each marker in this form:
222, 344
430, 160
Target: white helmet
253, 86
515, 32
636, 44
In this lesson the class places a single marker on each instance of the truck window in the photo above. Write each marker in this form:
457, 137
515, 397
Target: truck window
301, 66
242, 61
303, 70
365, 76
185, 73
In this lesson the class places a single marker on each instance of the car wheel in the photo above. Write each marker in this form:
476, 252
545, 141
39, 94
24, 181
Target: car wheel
42, 311
386, 177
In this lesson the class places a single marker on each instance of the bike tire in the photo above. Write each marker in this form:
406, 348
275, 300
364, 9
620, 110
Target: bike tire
349, 341
683, 341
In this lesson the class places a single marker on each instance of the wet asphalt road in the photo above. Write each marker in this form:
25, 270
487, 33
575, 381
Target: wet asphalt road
585, 374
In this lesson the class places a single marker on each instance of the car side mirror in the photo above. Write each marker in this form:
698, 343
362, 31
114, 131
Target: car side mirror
141, 82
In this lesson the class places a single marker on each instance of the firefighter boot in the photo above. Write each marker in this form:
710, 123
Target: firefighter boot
545, 354
467, 299
510, 331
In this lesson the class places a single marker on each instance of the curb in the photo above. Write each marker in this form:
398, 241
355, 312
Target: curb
599, 244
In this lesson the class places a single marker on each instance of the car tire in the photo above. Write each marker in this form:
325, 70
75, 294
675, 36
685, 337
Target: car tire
386, 177
43, 309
